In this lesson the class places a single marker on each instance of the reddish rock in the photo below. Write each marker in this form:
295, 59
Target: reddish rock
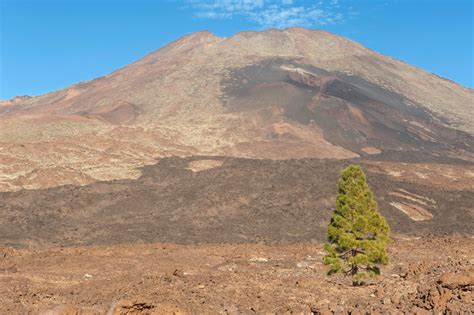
459, 280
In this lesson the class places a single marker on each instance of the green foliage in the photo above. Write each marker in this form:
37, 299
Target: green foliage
358, 234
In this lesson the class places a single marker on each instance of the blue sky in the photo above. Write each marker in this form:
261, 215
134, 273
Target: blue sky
48, 45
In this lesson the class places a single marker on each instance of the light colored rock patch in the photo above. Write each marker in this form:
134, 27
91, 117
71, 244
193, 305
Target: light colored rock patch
408, 196
203, 165
394, 173
371, 150
406, 192
421, 175
396, 194
439, 175
415, 213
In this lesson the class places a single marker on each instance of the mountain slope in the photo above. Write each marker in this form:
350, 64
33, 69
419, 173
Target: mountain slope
276, 94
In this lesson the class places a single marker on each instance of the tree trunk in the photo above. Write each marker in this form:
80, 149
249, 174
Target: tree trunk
354, 269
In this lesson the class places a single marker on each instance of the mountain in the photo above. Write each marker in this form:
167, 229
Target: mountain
201, 179
277, 94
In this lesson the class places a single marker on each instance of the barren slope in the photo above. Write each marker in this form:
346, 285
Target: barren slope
228, 200
292, 93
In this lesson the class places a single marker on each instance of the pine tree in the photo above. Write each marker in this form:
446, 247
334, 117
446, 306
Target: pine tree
358, 234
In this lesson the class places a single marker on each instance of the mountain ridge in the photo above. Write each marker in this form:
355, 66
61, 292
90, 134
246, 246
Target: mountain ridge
214, 36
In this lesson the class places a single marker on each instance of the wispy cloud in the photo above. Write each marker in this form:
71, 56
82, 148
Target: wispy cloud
272, 13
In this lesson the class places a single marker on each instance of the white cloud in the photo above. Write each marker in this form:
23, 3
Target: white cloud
271, 13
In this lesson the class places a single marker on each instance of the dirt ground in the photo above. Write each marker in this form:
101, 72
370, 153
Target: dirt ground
162, 278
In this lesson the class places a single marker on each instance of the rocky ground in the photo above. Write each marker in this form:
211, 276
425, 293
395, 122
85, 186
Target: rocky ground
226, 200
425, 276
208, 234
